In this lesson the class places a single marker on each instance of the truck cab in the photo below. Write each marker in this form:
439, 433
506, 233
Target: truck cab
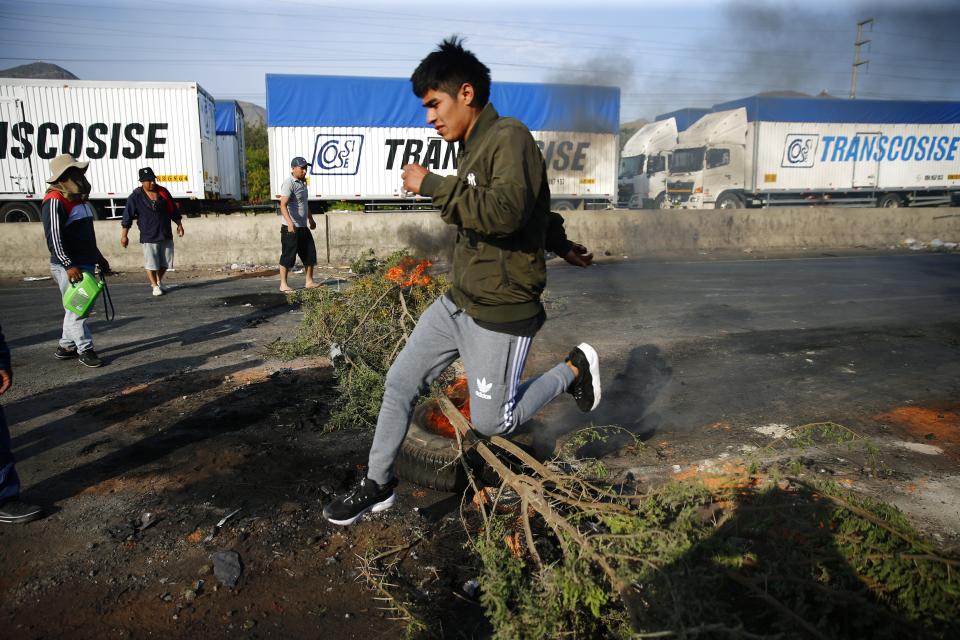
641, 177
707, 168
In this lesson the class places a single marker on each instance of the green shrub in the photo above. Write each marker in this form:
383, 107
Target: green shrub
363, 328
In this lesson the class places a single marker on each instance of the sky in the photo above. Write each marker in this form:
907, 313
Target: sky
662, 55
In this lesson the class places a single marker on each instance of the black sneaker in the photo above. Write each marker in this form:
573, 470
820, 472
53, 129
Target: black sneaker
16, 512
89, 359
367, 496
65, 354
586, 388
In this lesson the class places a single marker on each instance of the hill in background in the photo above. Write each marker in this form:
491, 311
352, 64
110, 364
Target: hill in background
253, 114
38, 70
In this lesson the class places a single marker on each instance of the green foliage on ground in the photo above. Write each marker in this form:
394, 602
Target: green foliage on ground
749, 558
363, 327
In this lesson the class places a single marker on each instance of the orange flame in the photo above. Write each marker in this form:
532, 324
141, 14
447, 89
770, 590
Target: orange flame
459, 394
409, 272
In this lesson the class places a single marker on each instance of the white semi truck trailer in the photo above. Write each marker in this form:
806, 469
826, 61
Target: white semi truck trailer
118, 126
644, 158
771, 151
359, 131
231, 150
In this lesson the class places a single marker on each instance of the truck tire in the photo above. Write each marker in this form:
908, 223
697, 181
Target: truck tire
729, 200
20, 212
429, 459
661, 202
890, 201
563, 205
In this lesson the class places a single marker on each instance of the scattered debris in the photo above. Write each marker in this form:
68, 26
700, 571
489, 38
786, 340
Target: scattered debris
774, 430
219, 525
918, 447
471, 587
227, 567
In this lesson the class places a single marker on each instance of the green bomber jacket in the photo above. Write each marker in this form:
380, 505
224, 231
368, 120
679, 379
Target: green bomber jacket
499, 200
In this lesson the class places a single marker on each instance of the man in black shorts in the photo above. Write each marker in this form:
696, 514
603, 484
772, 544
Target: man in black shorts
295, 237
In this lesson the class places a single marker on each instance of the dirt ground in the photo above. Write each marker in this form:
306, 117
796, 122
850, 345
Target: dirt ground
142, 469
129, 555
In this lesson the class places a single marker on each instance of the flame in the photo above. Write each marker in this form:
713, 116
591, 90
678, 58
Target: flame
409, 272
459, 394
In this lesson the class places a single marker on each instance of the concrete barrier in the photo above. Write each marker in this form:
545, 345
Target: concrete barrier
214, 241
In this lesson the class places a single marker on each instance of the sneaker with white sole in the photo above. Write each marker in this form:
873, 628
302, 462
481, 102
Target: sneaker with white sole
90, 359
346, 509
586, 388
157, 290
16, 512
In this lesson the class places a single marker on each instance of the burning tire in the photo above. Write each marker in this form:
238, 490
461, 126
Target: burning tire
429, 456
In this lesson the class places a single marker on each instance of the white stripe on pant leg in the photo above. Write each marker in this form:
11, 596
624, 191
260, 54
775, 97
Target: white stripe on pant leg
513, 377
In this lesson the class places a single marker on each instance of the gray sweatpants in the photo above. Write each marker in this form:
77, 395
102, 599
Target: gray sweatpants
493, 363
76, 334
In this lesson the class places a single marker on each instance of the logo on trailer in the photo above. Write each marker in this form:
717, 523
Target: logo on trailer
335, 155
800, 150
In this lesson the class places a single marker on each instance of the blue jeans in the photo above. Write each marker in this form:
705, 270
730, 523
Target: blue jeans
76, 334
9, 480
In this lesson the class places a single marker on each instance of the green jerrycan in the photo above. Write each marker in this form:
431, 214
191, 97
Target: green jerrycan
81, 295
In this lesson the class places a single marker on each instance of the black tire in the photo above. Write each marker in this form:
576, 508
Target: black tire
563, 205
890, 201
729, 200
20, 212
429, 459
661, 202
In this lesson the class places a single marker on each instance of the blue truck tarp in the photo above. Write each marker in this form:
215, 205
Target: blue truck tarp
684, 117
781, 109
346, 101
226, 117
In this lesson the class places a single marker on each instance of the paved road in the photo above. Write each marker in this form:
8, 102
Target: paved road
753, 341
684, 343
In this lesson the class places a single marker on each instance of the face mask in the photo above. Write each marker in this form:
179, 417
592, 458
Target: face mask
74, 185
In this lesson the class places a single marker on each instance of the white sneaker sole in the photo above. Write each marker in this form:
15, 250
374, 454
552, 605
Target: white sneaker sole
594, 361
21, 519
376, 508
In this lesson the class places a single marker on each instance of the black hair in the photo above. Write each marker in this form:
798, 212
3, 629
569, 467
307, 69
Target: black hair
448, 68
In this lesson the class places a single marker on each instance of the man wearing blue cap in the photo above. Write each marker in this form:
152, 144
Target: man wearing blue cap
295, 237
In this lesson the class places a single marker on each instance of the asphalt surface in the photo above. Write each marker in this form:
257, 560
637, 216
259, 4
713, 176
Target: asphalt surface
754, 335
684, 343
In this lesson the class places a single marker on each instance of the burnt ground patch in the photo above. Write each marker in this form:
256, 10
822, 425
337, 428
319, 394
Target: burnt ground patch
129, 554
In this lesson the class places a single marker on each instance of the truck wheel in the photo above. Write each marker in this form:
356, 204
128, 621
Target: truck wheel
890, 201
728, 201
661, 202
20, 212
563, 205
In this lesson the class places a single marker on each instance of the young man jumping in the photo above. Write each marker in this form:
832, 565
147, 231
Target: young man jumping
500, 203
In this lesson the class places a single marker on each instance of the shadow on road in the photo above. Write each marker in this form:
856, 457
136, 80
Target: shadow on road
176, 444
89, 419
